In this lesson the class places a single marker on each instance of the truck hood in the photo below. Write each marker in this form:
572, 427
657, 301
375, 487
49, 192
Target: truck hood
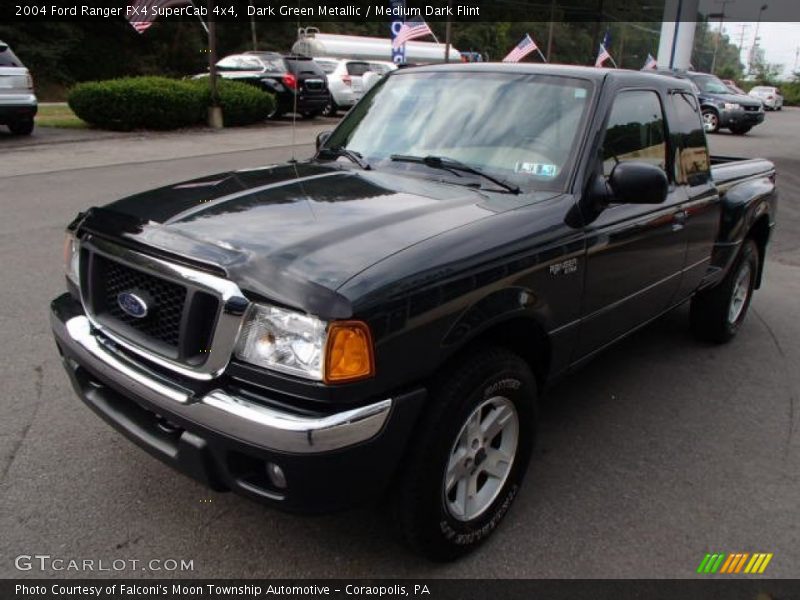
295, 233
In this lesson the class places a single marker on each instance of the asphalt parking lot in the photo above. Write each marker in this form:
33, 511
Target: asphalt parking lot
659, 451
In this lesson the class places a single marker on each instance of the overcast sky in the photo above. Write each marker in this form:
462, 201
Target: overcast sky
780, 41
779, 37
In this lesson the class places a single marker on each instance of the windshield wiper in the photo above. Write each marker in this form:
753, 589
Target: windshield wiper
452, 165
354, 156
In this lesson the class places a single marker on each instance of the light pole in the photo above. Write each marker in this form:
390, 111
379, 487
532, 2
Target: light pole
719, 33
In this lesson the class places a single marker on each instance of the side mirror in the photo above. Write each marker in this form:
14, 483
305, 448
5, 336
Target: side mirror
638, 183
322, 137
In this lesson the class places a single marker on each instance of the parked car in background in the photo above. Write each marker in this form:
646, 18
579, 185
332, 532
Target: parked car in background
722, 108
297, 82
18, 104
770, 96
733, 87
345, 79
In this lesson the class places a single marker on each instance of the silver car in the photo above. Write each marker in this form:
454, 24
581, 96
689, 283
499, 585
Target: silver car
770, 96
18, 104
345, 79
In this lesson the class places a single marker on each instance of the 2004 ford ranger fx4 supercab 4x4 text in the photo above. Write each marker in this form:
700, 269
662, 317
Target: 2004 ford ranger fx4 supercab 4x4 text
380, 321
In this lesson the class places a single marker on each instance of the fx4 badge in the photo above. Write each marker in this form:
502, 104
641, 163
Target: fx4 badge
564, 268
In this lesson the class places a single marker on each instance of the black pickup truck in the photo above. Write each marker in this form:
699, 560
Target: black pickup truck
380, 321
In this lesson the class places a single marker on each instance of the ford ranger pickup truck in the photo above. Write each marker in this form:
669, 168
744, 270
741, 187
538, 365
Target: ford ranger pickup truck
379, 322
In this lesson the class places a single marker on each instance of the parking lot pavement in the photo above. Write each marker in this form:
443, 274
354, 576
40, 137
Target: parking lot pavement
660, 450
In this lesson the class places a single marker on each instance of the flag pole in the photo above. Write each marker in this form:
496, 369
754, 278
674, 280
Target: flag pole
540, 54
199, 18
611, 58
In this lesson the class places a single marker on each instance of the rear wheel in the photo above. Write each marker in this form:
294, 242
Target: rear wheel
469, 456
331, 108
21, 127
717, 314
710, 120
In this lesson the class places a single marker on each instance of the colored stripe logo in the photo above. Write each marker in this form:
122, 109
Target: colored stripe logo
738, 562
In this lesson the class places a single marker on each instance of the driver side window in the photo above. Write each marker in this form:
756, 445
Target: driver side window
635, 131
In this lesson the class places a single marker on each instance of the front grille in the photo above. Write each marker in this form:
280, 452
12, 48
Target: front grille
752, 108
168, 298
180, 319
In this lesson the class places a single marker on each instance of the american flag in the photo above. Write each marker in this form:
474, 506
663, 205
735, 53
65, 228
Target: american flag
411, 30
603, 55
141, 13
650, 63
521, 50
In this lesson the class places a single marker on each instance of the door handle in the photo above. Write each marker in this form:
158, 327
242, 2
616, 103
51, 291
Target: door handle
679, 220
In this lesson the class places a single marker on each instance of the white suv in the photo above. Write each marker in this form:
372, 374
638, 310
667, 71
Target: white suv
18, 104
770, 96
345, 79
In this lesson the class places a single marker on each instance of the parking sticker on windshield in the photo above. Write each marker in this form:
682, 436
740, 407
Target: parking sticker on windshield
537, 169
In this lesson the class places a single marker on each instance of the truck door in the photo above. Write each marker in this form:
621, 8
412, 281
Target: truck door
635, 252
693, 172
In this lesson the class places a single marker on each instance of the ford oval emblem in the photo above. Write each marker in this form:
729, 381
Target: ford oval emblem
132, 304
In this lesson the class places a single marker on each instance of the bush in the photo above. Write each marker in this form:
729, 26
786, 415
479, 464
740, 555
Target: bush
242, 104
163, 103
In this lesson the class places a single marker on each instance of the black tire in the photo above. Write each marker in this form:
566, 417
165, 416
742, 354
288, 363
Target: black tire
277, 112
311, 114
21, 127
740, 130
713, 315
331, 108
711, 120
494, 379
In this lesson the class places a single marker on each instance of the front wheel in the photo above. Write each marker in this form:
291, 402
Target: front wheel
710, 121
717, 314
740, 130
469, 457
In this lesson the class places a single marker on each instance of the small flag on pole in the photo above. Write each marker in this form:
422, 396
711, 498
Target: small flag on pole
142, 13
521, 50
413, 29
603, 54
650, 63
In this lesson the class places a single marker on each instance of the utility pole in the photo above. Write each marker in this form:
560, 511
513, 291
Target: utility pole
753, 49
796, 56
214, 111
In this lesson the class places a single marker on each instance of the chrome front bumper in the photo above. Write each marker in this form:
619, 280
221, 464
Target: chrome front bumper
218, 410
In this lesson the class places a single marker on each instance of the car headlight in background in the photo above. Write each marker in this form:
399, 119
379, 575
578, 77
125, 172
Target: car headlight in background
732, 106
302, 345
72, 255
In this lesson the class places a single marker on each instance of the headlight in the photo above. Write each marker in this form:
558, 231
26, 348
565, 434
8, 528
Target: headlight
283, 340
732, 106
303, 345
72, 255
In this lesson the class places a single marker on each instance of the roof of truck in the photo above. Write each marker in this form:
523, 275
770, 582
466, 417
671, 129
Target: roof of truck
582, 72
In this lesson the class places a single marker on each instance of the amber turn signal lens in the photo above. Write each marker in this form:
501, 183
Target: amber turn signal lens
348, 355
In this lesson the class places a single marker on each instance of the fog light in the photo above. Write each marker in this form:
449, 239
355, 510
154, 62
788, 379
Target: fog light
276, 476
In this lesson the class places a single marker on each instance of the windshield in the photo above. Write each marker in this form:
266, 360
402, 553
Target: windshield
711, 85
519, 127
